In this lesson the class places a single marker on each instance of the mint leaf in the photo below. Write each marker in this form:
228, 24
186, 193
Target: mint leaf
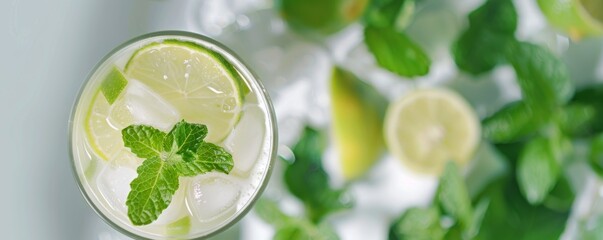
591, 97
151, 192
537, 170
186, 137
576, 119
396, 52
418, 223
513, 122
389, 13
144, 141
268, 211
595, 157
477, 218
561, 198
209, 157
288, 227
453, 196
543, 78
307, 180
303, 229
454, 233
482, 46
510, 216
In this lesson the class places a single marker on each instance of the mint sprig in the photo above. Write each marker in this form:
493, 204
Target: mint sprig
181, 152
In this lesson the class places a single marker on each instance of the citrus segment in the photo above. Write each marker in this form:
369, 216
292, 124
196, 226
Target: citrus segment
358, 111
427, 128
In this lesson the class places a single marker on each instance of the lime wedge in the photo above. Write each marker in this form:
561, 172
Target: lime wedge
179, 227
200, 84
321, 16
427, 128
578, 18
358, 111
113, 85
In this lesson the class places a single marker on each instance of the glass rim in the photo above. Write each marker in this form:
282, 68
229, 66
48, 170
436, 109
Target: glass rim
240, 65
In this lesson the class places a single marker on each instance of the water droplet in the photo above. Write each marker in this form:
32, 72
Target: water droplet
216, 91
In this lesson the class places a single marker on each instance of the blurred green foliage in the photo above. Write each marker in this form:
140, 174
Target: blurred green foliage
396, 52
307, 180
531, 198
482, 46
321, 16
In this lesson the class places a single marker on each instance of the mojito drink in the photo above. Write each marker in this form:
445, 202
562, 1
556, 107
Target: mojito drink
172, 137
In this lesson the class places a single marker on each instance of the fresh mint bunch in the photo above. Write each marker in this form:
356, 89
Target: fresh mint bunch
181, 152
452, 202
306, 180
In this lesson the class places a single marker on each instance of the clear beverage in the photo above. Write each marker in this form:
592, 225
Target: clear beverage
235, 108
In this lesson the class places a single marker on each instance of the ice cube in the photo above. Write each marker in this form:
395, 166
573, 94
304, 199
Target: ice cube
125, 158
114, 185
140, 105
246, 140
211, 196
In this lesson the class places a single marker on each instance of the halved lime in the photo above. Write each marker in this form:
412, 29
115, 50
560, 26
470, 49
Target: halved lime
196, 81
427, 128
579, 18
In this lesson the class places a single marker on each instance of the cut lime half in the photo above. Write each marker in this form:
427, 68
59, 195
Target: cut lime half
199, 83
427, 128
578, 18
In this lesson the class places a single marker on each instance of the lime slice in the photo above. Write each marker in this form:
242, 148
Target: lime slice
578, 18
427, 128
358, 111
104, 140
200, 84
